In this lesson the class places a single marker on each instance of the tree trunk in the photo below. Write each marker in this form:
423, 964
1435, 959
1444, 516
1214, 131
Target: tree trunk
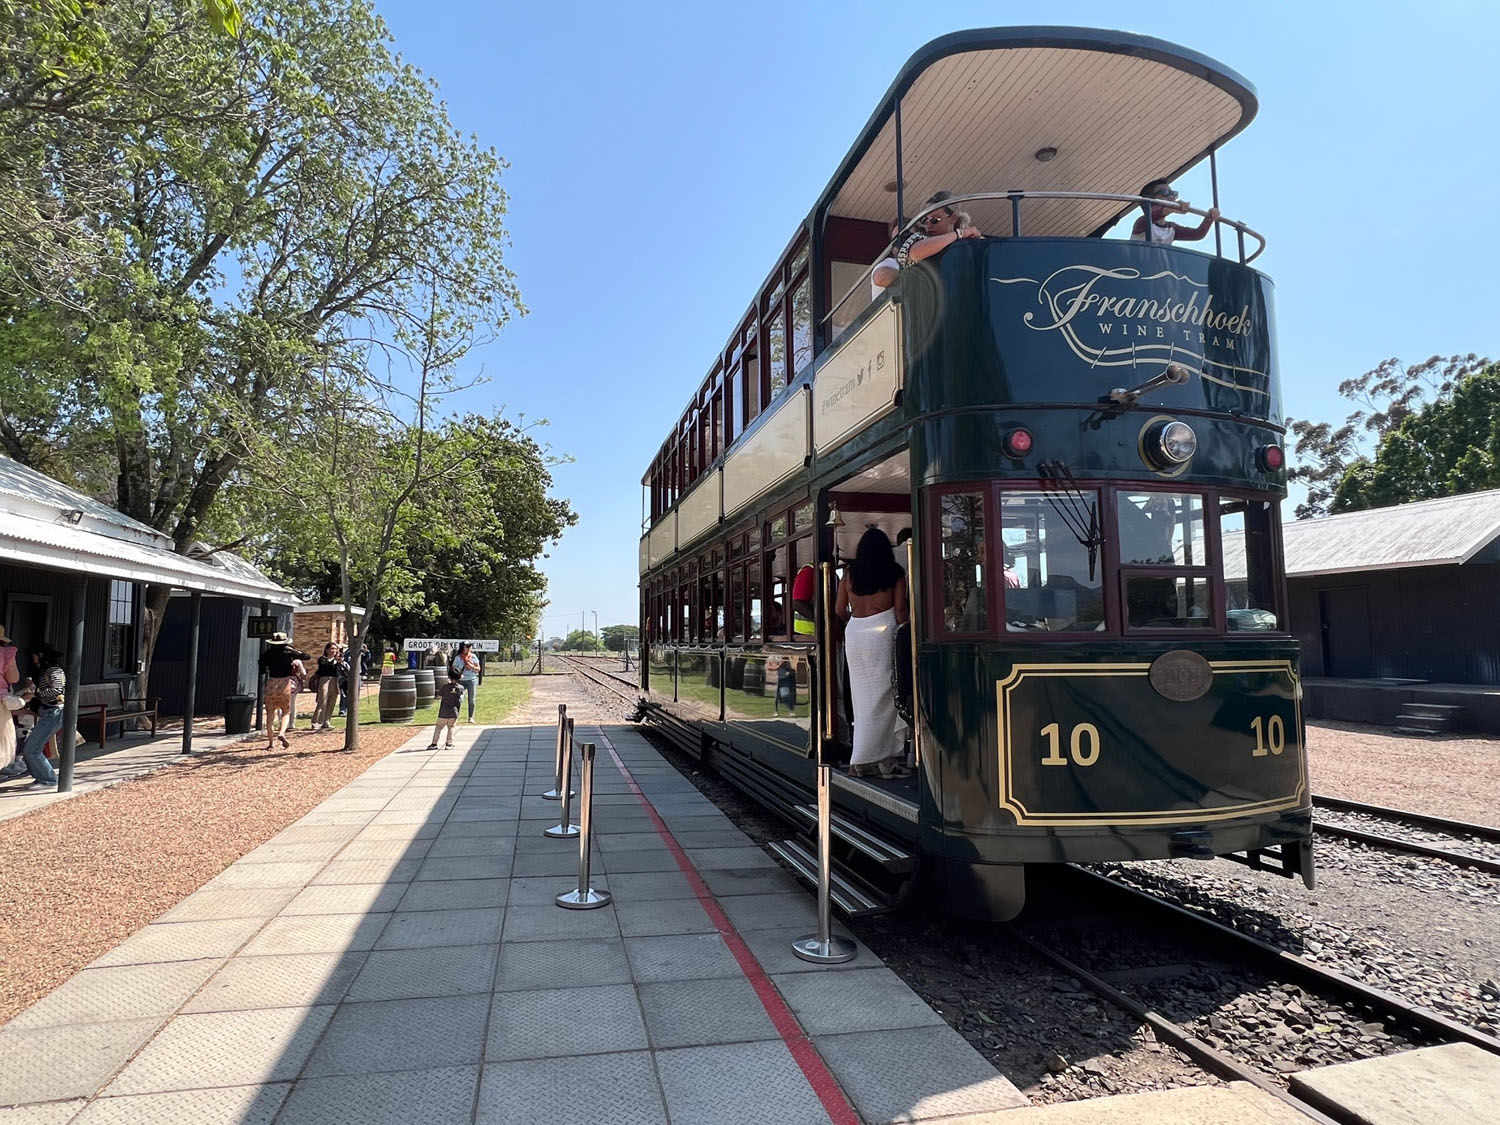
156, 601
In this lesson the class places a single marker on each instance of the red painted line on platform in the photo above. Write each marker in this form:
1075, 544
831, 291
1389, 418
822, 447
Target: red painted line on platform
814, 1069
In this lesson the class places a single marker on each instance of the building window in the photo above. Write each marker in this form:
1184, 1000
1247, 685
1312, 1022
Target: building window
119, 645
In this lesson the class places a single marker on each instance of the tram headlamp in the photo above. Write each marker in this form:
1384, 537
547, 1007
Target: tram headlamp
1171, 444
1017, 443
1272, 458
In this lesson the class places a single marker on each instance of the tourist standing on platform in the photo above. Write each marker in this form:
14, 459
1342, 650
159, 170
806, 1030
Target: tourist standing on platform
51, 686
326, 685
449, 696
466, 664
279, 664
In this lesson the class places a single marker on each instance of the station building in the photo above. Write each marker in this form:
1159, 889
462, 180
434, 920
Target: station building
74, 572
1398, 613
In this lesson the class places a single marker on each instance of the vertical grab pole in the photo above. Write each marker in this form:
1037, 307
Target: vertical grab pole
555, 793
822, 948
564, 830
585, 897
1213, 172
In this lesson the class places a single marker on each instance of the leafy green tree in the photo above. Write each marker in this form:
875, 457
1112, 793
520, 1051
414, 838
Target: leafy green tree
1445, 448
580, 640
616, 637
241, 216
1384, 397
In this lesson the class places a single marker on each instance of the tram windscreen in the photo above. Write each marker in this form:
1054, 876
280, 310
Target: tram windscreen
1163, 532
1051, 582
1247, 534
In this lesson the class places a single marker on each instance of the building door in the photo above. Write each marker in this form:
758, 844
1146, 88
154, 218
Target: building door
26, 619
1346, 632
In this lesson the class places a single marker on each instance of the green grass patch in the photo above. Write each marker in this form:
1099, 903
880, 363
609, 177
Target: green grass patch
497, 697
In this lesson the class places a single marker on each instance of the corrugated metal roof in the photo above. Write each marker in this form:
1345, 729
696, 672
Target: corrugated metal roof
27, 492
30, 542
1449, 530
38, 528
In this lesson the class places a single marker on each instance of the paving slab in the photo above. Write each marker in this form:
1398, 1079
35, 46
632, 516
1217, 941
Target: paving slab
438, 1096
224, 1049
50, 1063
403, 974
397, 956
237, 1105
125, 992
391, 1035
294, 980
915, 1074
1456, 1084
554, 1022
621, 1089
746, 1084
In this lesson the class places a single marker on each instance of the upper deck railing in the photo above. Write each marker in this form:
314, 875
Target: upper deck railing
1016, 197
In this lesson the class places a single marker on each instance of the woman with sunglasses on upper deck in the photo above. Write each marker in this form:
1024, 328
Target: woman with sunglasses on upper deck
1165, 233
935, 232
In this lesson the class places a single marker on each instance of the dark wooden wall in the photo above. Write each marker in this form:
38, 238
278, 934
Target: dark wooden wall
1435, 623
227, 659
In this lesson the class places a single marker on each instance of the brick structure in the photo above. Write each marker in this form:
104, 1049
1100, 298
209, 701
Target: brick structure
314, 626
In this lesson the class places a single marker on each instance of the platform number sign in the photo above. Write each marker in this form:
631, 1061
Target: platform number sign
260, 627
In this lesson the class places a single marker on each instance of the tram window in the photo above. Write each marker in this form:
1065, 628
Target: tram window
1161, 529
961, 548
1054, 581
1168, 603
776, 347
734, 622
1246, 536
847, 278
753, 599
802, 326
802, 520
776, 604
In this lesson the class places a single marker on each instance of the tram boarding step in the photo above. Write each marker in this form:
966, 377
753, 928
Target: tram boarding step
890, 857
847, 891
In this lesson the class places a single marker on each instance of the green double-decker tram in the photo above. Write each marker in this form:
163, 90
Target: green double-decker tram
1074, 433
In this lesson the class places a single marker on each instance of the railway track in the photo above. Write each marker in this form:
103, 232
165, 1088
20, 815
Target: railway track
1257, 968
1474, 846
1402, 1021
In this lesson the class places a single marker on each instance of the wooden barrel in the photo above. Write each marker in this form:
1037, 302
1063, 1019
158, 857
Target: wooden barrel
426, 687
734, 672
398, 697
755, 678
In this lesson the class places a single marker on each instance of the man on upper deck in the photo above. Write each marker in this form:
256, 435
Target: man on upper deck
1165, 233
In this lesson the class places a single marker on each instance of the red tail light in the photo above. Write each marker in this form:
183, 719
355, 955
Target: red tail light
1017, 443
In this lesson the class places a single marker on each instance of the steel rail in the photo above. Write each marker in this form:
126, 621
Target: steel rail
1421, 820
1396, 844
1209, 1058
1321, 979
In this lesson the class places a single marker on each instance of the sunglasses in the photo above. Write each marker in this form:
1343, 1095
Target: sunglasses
1164, 193
934, 219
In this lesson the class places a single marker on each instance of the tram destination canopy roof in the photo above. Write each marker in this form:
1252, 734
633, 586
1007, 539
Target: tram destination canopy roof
977, 106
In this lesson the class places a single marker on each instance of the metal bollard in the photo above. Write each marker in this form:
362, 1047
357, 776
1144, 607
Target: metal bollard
585, 897
563, 830
822, 948
562, 733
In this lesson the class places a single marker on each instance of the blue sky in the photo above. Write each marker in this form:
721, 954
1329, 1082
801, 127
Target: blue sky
662, 155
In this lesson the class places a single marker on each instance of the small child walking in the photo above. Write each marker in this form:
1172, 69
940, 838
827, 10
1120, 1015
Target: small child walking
450, 697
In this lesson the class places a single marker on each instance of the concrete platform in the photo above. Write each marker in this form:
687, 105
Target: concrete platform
396, 956
1457, 1084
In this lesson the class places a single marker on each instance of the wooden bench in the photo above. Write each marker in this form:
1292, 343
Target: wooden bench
101, 706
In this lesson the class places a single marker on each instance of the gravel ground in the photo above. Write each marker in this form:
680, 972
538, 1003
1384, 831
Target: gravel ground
1445, 775
86, 873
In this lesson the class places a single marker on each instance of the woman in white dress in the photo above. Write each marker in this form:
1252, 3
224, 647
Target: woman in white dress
872, 600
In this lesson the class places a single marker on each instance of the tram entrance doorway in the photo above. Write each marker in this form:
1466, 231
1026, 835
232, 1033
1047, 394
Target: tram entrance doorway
862, 658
